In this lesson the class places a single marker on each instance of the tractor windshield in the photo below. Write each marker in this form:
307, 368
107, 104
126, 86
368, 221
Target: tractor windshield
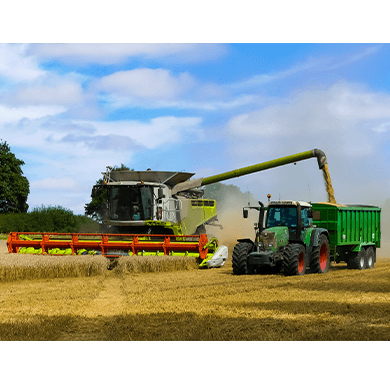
282, 216
287, 216
131, 203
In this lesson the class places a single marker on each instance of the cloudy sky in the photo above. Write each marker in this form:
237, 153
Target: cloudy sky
70, 110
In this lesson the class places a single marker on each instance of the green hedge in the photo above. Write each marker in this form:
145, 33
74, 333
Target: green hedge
47, 219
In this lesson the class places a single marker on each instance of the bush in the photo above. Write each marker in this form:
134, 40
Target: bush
55, 219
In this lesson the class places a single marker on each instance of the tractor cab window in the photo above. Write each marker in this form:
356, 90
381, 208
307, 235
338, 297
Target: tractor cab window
306, 221
282, 216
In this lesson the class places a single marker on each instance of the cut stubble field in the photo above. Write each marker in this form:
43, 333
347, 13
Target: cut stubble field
188, 304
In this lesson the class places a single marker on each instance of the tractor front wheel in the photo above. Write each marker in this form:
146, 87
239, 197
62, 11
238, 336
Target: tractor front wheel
240, 258
294, 259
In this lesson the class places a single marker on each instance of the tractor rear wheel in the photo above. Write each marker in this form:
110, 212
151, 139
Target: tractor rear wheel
320, 256
294, 259
240, 259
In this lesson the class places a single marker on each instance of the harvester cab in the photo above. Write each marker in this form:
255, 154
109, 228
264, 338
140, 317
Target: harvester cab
141, 202
285, 240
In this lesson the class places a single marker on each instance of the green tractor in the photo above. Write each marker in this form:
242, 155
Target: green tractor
287, 242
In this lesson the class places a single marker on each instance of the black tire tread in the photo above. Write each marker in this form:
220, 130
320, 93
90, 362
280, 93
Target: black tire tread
315, 266
290, 259
370, 252
355, 259
239, 258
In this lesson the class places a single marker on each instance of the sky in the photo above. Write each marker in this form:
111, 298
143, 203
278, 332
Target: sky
70, 110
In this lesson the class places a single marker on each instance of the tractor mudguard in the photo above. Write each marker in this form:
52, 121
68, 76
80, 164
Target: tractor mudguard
246, 240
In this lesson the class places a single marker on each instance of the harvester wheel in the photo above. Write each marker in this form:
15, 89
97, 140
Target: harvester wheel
240, 259
370, 258
320, 256
294, 259
357, 260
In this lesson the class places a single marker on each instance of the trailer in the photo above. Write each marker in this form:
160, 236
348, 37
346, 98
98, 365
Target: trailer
354, 232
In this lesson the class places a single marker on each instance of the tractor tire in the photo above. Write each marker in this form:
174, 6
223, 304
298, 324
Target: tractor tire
294, 259
320, 256
240, 259
357, 261
370, 258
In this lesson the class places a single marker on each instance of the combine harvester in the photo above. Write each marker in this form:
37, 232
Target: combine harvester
151, 212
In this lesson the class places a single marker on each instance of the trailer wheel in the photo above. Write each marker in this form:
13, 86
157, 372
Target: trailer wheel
294, 259
240, 259
320, 256
357, 260
370, 258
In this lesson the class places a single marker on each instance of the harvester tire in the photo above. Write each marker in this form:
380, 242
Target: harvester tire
357, 261
320, 256
240, 259
294, 259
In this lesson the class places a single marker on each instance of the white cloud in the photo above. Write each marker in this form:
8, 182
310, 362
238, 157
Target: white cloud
313, 111
120, 52
15, 114
359, 56
16, 65
153, 134
66, 93
346, 121
54, 184
257, 80
146, 83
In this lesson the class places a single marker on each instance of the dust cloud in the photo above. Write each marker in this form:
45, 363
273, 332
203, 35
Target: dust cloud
234, 225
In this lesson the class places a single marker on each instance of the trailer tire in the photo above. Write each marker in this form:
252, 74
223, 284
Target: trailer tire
240, 259
357, 261
294, 259
370, 258
320, 256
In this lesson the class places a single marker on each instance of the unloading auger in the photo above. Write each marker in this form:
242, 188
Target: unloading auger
152, 212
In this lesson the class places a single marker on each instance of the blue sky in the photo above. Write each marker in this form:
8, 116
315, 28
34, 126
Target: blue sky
70, 110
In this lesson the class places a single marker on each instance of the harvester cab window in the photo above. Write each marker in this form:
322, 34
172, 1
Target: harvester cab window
147, 201
125, 203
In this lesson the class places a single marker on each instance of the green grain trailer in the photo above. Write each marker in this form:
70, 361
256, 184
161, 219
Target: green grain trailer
354, 232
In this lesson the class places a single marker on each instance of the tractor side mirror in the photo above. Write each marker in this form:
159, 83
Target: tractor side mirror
245, 213
310, 213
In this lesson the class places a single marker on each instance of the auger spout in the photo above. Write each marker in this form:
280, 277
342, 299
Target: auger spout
316, 153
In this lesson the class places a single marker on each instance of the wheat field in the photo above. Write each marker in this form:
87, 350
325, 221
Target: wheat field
135, 303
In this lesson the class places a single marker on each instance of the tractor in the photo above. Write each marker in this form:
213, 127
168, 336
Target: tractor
286, 241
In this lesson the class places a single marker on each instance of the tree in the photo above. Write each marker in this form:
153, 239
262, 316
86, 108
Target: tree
97, 208
14, 187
